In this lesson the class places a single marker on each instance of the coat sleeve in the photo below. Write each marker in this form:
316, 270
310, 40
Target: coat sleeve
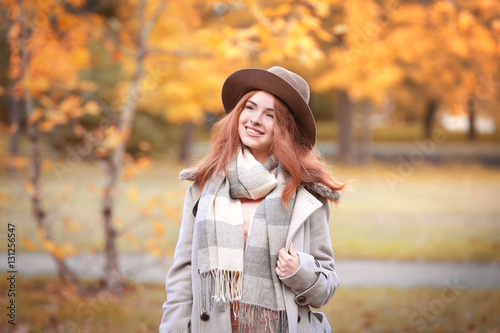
178, 307
315, 281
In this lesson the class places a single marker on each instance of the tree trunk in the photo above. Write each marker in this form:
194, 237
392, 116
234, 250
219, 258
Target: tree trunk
430, 117
365, 152
36, 194
344, 106
186, 145
114, 280
472, 133
36, 197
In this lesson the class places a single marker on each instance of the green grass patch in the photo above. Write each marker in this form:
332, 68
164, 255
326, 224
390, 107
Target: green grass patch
43, 305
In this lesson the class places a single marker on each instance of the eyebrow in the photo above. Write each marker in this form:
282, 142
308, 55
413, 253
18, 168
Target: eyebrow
252, 102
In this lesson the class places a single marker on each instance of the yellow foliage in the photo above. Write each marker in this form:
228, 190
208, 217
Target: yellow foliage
144, 145
172, 213
46, 165
113, 137
49, 246
138, 166
93, 249
67, 186
465, 20
132, 239
133, 194
147, 211
87, 86
71, 225
92, 108
444, 7
4, 197
90, 186
28, 243
118, 222
59, 251
158, 228
152, 247
35, 115
29, 188
433, 46
169, 196
19, 162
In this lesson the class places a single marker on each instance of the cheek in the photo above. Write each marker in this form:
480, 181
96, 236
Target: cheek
270, 127
241, 128
243, 116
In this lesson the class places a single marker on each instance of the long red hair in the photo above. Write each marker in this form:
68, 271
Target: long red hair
302, 162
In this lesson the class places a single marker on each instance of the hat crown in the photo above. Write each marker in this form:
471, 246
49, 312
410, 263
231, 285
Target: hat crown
294, 80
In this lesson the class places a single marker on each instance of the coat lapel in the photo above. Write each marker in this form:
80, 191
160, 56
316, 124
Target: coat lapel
305, 205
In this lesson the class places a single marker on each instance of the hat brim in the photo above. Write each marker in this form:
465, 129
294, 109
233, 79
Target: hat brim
245, 80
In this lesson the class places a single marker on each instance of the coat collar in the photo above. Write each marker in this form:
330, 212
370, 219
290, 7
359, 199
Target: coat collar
318, 188
305, 205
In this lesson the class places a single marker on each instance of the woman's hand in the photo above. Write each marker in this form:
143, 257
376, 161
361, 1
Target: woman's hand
288, 262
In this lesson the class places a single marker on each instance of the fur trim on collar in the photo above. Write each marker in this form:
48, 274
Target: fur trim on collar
318, 188
324, 191
187, 174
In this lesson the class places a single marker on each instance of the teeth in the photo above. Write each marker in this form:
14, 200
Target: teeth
253, 131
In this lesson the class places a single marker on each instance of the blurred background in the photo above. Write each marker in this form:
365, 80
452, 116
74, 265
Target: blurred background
102, 103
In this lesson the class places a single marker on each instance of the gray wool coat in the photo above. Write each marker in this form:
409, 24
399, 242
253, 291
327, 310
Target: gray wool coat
313, 284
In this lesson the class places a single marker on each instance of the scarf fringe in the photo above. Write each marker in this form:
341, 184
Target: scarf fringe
220, 286
257, 319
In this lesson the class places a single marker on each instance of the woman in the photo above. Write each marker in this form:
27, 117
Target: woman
254, 249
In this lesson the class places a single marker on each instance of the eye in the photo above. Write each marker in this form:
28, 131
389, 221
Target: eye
270, 115
249, 107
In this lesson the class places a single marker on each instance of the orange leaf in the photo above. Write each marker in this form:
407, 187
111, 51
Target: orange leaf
29, 188
4, 197
92, 108
133, 194
158, 228
28, 243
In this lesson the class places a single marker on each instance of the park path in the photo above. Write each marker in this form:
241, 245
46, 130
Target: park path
352, 273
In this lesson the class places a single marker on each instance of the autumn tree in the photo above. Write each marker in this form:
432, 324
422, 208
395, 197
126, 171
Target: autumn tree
424, 54
176, 56
48, 50
447, 51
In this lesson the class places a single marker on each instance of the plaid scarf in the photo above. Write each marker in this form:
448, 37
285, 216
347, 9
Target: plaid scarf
229, 272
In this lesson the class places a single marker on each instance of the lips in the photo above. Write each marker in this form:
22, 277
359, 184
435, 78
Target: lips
253, 130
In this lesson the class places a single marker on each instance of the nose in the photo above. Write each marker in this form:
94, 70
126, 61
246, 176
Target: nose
256, 118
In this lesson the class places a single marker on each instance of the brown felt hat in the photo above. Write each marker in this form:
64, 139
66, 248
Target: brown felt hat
287, 86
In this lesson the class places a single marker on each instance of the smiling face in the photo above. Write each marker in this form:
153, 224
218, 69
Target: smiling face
256, 124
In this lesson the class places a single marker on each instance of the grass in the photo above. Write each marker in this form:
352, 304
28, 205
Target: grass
446, 212
43, 305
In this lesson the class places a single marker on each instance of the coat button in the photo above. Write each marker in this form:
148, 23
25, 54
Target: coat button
204, 316
301, 299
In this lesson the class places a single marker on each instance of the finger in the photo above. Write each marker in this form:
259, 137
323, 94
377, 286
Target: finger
283, 254
292, 251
